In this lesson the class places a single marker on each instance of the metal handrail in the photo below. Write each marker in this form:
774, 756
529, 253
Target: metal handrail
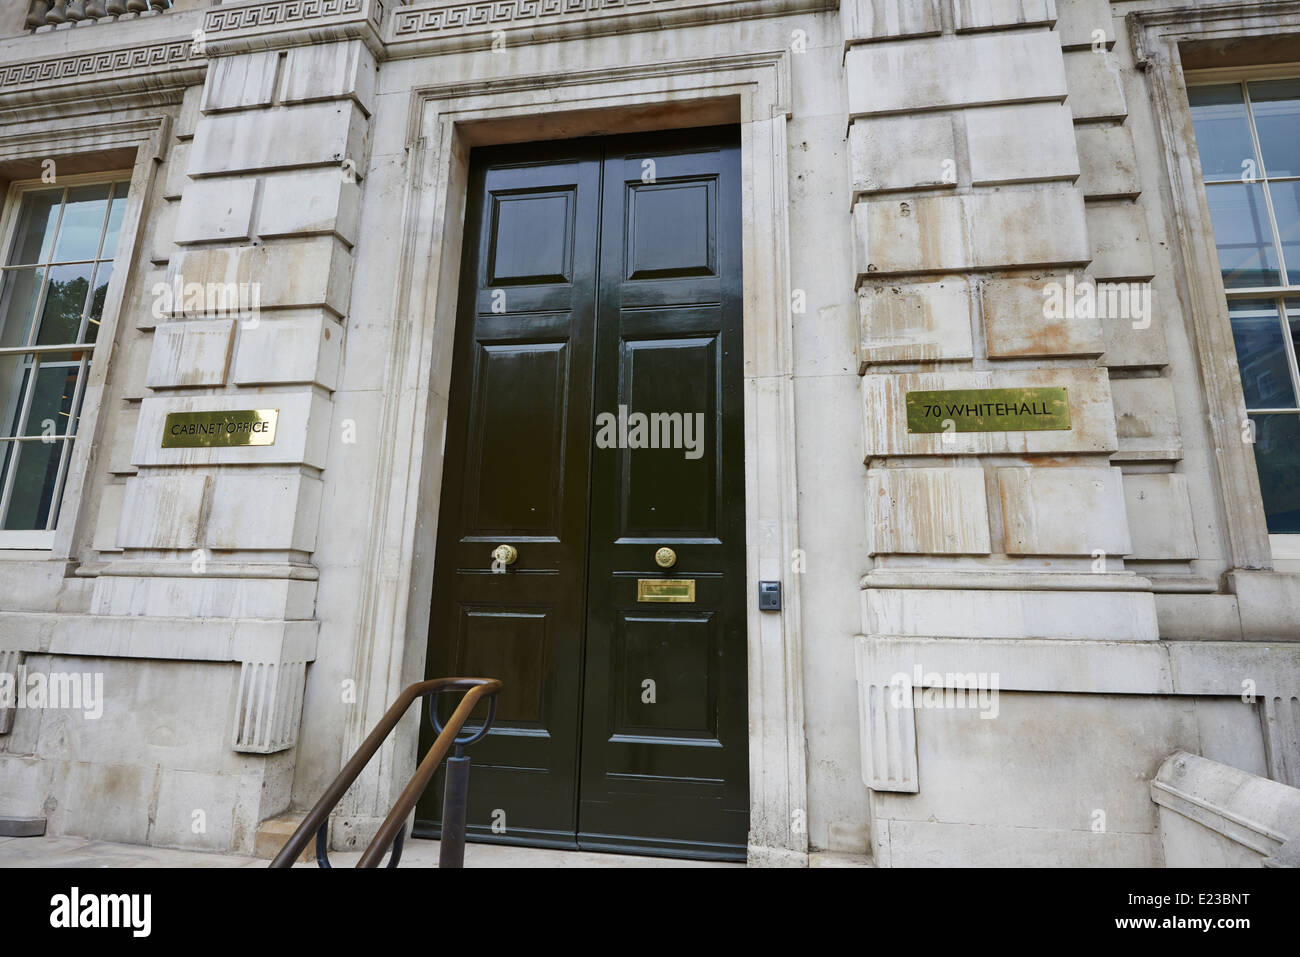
392, 831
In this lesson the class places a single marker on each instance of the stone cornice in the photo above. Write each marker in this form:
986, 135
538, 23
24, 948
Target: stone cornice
135, 75
105, 131
77, 67
119, 73
268, 24
391, 29
1208, 22
267, 14
456, 24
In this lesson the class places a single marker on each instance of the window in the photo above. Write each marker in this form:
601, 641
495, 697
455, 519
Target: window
1248, 137
55, 277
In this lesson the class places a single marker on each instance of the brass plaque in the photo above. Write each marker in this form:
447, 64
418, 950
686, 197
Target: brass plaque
665, 589
219, 429
988, 410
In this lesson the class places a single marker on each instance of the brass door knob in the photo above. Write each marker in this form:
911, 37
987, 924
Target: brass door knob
505, 554
665, 557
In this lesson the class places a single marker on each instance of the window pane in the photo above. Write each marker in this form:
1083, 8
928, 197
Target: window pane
1261, 354
83, 223
35, 236
1286, 207
13, 380
103, 275
7, 452
1242, 233
51, 410
1277, 121
1277, 454
115, 220
1293, 320
22, 289
1222, 131
82, 372
65, 302
37, 468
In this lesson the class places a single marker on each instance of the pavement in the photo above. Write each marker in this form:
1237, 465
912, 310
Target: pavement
81, 852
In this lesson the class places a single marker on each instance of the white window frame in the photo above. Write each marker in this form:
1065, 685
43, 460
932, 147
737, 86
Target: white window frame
69, 482
1283, 547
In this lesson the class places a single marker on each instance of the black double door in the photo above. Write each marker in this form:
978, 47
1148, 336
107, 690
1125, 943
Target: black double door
596, 420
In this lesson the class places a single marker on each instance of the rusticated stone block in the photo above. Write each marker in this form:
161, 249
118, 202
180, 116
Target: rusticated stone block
1028, 226
310, 202
312, 134
1064, 511
971, 15
290, 349
1160, 517
216, 209
1093, 78
190, 353
162, 510
1025, 143
240, 82
329, 71
1146, 417
921, 511
1083, 24
916, 322
278, 275
261, 510
1019, 321
902, 152
1108, 162
1121, 245
954, 72
889, 19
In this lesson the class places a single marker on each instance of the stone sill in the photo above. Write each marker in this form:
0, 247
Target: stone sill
162, 639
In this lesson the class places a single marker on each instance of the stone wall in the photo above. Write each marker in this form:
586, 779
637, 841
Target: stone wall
999, 148
944, 163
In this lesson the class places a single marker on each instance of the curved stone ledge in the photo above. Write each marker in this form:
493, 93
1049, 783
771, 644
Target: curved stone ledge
1213, 815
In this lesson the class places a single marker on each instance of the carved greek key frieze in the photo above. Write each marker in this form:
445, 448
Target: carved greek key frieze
16, 76
458, 16
286, 12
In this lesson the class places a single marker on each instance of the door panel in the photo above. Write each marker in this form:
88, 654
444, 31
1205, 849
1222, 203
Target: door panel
669, 772
601, 277
518, 450
669, 493
516, 462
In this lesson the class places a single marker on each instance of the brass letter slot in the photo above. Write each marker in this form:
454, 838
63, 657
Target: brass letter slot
665, 589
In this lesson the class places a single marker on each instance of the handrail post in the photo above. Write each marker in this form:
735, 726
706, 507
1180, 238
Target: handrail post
447, 737
392, 830
455, 809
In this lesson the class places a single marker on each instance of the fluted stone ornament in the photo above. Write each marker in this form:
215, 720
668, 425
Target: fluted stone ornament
36, 13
